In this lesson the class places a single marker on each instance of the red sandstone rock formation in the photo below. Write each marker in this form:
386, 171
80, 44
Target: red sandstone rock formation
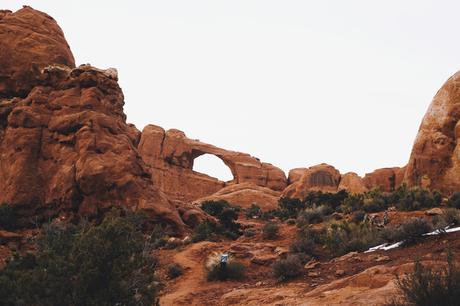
29, 41
321, 177
170, 155
65, 146
244, 195
326, 178
295, 174
386, 179
435, 157
353, 183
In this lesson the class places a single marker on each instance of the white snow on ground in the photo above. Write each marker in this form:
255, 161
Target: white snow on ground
387, 246
445, 230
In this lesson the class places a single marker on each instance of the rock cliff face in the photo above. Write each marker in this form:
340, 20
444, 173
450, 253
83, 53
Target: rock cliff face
170, 155
65, 146
435, 157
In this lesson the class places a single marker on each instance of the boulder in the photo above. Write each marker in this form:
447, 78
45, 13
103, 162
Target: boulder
434, 212
435, 158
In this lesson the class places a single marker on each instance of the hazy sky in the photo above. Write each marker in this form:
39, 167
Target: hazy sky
295, 83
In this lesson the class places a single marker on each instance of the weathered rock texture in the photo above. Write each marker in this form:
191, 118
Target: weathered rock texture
321, 177
65, 146
244, 195
326, 178
386, 179
353, 183
435, 157
29, 41
170, 155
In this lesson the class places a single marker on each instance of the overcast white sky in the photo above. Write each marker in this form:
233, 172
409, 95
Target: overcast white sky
295, 83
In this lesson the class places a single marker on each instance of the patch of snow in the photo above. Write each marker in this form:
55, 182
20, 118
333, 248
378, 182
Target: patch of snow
445, 230
387, 246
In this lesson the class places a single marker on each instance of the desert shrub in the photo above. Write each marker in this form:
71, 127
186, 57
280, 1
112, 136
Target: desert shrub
416, 198
8, 217
358, 216
106, 264
306, 241
233, 270
373, 205
175, 270
270, 214
454, 200
227, 219
158, 237
253, 212
226, 214
451, 216
288, 268
352, 202
410, 231
214, 208
270, 231
413, 229
204, 231
331, 200
426, 286
249, 232
346, 237
289, 208
313, 215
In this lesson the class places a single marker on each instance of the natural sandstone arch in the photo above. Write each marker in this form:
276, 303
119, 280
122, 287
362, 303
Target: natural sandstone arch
170, 155
213, 166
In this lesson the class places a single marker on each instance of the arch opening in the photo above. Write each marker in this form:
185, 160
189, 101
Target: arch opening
213, 166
